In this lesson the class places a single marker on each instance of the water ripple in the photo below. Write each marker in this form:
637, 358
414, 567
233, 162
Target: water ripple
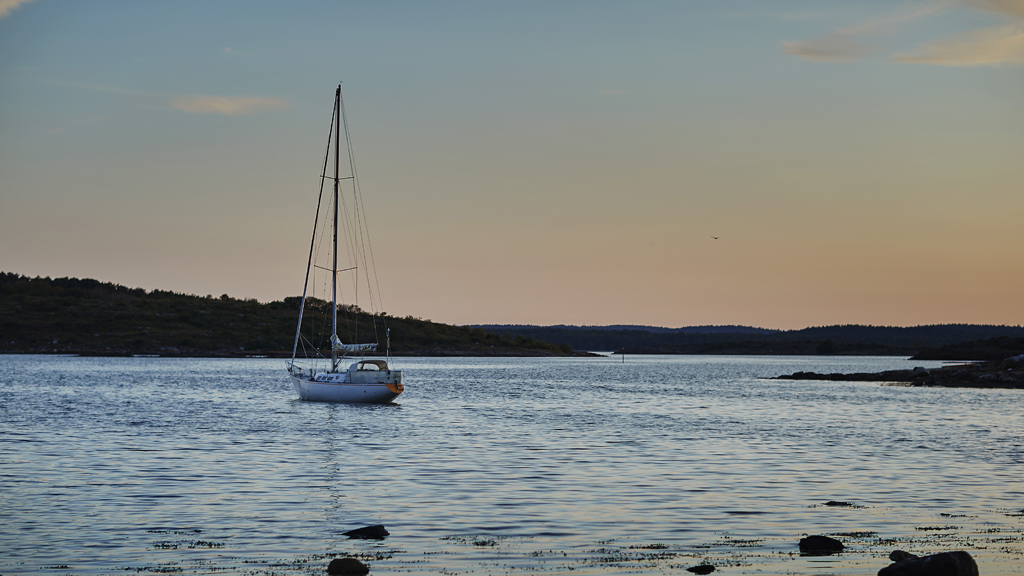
549, 466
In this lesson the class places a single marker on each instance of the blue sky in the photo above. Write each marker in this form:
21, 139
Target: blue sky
532, 162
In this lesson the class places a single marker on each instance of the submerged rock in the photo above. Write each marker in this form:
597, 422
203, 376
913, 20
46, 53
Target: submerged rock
944, 564
820, 546
376, 532
345, 566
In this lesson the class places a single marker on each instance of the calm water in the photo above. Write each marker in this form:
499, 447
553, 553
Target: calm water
500, 466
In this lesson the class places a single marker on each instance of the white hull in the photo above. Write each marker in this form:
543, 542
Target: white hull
355, 386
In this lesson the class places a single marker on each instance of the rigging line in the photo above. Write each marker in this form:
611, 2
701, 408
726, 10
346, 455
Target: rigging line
372, 267
323, 324
350, 227
345, 317
361, 226
312, 240
346, 227
321, 306
325, 177
306, 349
358, 212
355, 208
321, 235
340, 270
345, 310
323, 229
349, 231
315, 349
342, 307
365, 229
318, 308
330, 202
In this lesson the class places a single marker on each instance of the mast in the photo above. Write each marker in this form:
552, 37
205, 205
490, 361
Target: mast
334, 266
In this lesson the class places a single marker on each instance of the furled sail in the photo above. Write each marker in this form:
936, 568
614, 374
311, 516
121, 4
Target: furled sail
336, 343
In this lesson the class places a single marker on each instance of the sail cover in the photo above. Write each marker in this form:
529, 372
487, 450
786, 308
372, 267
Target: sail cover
336, 343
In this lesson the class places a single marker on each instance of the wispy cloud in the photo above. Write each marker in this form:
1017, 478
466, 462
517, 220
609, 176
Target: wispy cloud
1009, 7
7, 6
237, 106
837, 47
844, 45
195, 104
993, 46
985, 47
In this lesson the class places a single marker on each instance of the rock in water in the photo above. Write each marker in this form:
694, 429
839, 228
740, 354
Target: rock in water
944, 564
702, 569
900, 555
1012, 362
368, 533
820, 546
344, 566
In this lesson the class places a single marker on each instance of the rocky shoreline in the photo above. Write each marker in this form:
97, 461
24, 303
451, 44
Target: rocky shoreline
1008, 373
954, 563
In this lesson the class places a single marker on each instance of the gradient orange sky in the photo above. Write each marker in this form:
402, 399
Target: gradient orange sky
533, 162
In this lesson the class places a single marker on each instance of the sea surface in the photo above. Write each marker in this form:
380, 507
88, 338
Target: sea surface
501, 466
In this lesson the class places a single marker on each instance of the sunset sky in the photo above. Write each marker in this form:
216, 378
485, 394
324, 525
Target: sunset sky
541, 162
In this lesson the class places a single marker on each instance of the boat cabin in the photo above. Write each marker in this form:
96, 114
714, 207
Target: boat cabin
361, 366
369, 365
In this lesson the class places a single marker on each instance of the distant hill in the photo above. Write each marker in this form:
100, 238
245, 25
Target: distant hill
84, 316
501, 328
842, 339
990, 350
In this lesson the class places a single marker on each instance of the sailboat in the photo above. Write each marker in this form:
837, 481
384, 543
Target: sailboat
347, 376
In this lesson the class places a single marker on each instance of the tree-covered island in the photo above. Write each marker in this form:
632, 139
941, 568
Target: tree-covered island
89, 317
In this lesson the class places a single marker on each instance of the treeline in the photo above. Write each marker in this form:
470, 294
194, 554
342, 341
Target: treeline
85, 316
706, 329
841, 339
990, 350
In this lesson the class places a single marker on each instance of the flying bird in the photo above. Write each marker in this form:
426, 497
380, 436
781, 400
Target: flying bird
714, 237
